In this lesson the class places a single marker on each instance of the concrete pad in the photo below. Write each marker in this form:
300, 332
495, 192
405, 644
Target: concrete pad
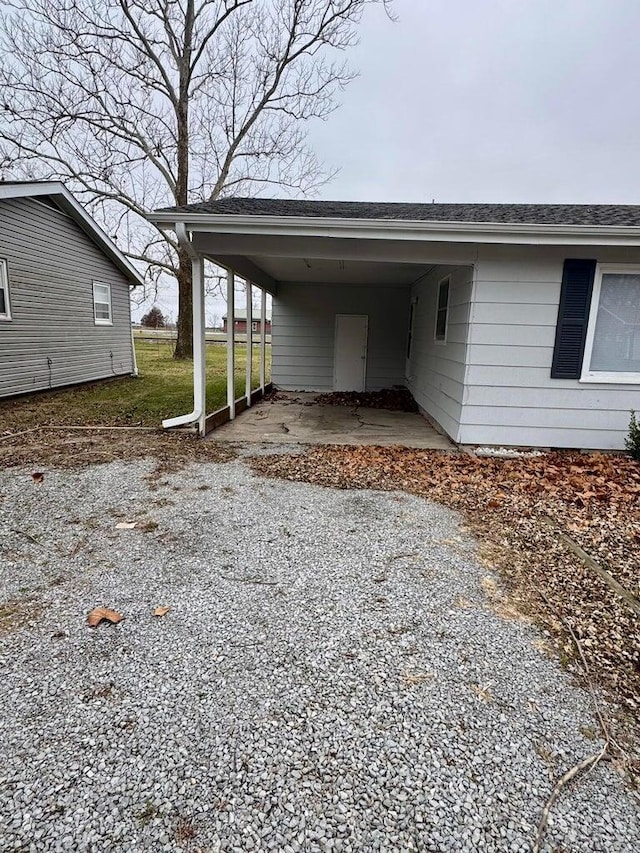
297, 419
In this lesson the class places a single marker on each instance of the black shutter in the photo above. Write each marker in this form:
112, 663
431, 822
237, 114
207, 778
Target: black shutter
573, 316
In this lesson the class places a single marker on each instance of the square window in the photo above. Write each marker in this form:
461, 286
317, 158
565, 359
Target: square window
612, 350
102, 304
442, 310
5, 312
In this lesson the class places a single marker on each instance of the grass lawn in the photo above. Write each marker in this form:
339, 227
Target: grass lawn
163, 389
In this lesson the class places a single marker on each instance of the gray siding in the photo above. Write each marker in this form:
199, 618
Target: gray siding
304, 333
510, 397
52, 264
436, 370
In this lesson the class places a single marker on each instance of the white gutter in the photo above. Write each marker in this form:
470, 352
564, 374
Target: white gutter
199, 344
397, 229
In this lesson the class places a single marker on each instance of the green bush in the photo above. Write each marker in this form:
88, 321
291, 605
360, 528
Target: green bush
632, 443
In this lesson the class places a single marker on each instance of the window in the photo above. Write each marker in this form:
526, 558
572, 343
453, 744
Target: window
412, 311
254, 326
612, 348
442, 310
5, 310
102, 304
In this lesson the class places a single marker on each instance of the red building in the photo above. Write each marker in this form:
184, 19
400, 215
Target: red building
240, 322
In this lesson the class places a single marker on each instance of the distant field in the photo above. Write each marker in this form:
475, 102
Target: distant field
163, 389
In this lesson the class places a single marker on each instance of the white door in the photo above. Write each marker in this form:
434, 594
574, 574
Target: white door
350, 354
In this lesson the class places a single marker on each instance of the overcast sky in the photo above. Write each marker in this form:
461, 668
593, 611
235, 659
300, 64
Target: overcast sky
489, 100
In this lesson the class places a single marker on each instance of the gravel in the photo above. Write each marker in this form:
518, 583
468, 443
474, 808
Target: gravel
330, 677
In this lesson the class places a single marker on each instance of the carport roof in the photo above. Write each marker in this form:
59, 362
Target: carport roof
515, 214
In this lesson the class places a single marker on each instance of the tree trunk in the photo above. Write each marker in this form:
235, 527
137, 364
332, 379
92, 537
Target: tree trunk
184, 342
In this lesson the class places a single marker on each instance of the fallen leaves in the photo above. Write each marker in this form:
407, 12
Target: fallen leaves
161, 611
37, 477
126, 525
103, 614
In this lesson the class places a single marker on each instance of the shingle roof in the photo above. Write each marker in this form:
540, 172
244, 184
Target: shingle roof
529, 214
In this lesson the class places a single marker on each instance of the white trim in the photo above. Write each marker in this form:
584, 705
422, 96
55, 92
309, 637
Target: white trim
5, 316
102, 321
601, 376
443, 340
401, 229
71, 206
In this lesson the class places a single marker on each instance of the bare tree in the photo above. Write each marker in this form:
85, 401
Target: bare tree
139, 104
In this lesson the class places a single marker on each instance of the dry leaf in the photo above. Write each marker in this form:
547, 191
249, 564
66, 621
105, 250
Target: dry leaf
161, 611
126, 525
37, 476
98, 614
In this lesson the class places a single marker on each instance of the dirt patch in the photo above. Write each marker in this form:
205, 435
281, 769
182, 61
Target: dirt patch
48, 448
18, 614
391, 399
516, 508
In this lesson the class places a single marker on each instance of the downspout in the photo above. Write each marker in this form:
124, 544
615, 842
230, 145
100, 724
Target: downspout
134, 360
197, 293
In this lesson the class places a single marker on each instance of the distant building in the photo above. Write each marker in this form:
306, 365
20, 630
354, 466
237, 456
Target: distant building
240, 321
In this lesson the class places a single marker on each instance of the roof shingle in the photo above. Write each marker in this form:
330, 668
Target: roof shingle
516, 214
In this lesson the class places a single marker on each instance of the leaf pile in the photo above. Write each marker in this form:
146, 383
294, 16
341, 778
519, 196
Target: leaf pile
391, 399
593, 498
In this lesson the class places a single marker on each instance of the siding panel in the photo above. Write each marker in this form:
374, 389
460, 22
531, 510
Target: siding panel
511, 398
52, 340
303, 340
436, 371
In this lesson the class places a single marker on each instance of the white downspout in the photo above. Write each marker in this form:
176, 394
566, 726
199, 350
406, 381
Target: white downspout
199, 343
134, 360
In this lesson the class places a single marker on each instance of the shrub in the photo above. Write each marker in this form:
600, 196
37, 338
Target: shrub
632, 442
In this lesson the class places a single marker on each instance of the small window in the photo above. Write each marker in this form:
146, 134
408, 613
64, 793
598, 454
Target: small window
254, 326
612, 350
412, 309
102, 304
442, 311
5, 310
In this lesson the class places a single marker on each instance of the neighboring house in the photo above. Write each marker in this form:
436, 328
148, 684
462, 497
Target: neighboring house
240, 321
510, 324
64, 293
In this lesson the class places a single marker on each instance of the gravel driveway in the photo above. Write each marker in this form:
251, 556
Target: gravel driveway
330, 677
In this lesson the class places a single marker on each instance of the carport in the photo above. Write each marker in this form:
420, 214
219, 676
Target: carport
344, 299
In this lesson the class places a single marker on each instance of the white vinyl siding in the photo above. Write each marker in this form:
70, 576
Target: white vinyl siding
304, 320
5, 305
102, 304
52, 339
510, 397
435, 369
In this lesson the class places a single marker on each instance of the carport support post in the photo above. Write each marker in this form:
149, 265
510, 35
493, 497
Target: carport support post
231, 344
249, 340
263, 337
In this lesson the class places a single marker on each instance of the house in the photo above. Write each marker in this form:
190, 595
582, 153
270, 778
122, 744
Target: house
64, 292
511, 324
240, 321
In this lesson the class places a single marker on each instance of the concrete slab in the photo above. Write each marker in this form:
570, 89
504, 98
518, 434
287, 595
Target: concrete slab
298, 419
